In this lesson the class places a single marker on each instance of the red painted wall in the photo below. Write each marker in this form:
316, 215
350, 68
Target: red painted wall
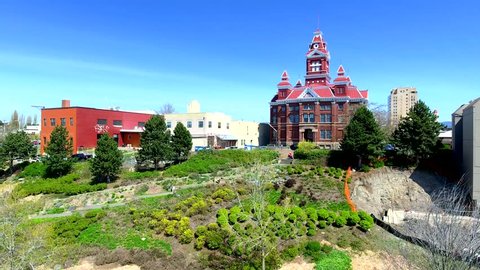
84, 130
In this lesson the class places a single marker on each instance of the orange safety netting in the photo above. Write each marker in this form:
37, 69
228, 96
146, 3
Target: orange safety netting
347, 190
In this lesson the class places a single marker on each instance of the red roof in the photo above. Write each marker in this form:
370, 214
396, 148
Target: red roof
342, 79
295, 93
284, 83
340, 70
364, 93
353, 92
285, 75
323, 92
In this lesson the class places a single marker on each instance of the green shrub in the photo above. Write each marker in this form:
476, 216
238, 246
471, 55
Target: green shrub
322, 214
289, 253
340, 221
140, 175
36, 169
312, 247
225, 194
365, 225
56, 210
365, 168
213, 240
343, 242
312, 154
186, 237
62, 185
335, 260
353, 219
311, 232
378, 164
242, 217
311, 213
201, 231
213, 161
213, 227
200, 242
322, 224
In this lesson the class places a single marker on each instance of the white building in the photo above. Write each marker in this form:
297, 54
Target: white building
400, 101
214, 129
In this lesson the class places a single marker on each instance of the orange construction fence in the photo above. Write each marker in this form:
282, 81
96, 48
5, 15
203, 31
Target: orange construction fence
347, 190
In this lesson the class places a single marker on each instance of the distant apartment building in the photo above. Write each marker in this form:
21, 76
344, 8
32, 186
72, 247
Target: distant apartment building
400, 101
466, 145
86, 125
215, 129
318, 110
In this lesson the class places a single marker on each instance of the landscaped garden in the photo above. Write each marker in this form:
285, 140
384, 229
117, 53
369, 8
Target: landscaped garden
260, 212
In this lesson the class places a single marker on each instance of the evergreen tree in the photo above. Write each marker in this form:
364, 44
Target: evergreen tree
17, 145
155, 142
181, 142
108, 159
416, 136
59, 152
363, 137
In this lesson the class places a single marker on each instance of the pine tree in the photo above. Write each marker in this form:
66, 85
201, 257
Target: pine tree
416, 136
155, 142
181, 142
363, 137
17, 145
59, 151
108, 159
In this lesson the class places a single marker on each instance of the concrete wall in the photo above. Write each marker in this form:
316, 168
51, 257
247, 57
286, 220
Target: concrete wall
471, 147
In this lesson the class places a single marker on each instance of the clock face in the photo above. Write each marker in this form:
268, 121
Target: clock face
315, 46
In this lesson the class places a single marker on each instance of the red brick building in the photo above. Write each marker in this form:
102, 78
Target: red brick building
318, 110
85, 125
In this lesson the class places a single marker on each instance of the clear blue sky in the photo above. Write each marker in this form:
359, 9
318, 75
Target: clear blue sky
229, 55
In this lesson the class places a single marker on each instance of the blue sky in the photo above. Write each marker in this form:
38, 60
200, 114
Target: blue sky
229, 55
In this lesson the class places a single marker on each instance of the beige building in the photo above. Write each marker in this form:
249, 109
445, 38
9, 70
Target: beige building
466, 144
215, 129
400, 101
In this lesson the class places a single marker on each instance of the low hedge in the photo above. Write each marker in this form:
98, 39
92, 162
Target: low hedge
63, 185
213, 161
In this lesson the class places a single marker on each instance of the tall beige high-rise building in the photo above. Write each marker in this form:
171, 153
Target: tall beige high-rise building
400, 101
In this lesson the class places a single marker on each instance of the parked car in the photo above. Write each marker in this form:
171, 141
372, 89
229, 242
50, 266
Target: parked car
201, 148
81, 156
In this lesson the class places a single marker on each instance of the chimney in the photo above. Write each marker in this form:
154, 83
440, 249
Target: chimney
65, 103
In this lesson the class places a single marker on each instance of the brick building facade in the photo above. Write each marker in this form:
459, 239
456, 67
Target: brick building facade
318, 110
86, 125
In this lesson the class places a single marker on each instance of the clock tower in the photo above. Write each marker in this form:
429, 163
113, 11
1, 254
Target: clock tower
318, 61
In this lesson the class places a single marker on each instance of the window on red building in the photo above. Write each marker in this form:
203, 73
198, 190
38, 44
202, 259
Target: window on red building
63, 122
325, 134
325, 107
52, 122
141, 124
312, 118
71, 121
305, 117
325, 118
101, 121
117, 123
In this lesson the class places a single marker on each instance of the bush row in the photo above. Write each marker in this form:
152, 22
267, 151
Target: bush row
63, 185
213, 161
320, 171
282, 222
